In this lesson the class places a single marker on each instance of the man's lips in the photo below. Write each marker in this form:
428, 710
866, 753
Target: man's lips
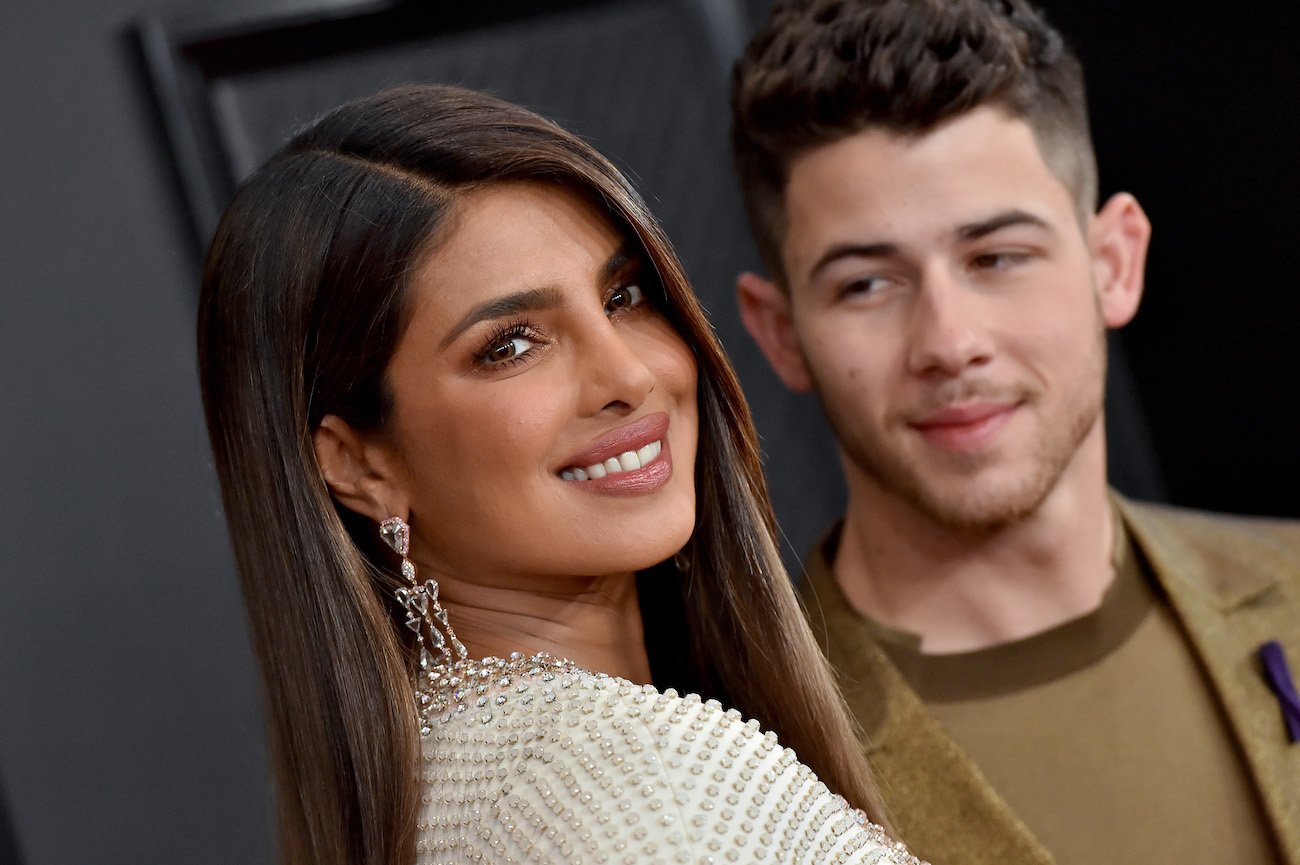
965, 426
962, 414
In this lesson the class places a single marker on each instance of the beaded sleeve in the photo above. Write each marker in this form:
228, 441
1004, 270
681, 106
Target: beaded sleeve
536, 761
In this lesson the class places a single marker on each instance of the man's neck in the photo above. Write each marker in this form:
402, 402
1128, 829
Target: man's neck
964, 591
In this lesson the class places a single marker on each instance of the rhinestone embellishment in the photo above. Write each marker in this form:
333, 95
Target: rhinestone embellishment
425, 617
534, 760
397, 534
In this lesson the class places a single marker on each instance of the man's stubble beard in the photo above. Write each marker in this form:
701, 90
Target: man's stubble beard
974, 507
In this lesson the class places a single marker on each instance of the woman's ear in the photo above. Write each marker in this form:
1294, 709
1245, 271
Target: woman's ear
360, 473
1118, 237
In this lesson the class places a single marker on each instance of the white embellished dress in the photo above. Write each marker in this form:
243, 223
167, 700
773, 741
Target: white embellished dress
533, 760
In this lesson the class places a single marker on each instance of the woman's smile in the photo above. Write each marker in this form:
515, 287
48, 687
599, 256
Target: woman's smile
537, 340
628, 460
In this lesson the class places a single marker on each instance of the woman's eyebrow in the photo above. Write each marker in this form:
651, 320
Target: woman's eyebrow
529, 300
627, 253
537, 299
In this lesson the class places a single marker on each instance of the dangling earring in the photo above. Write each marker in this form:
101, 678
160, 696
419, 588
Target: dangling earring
424, 614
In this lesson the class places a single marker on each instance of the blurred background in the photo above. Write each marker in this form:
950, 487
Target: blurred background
129, 722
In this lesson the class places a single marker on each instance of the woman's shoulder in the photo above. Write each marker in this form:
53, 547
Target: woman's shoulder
534, 759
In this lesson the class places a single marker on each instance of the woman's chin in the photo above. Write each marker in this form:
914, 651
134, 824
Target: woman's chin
637, 552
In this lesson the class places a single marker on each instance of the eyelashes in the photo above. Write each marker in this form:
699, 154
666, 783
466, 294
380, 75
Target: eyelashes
516, 340
510, 343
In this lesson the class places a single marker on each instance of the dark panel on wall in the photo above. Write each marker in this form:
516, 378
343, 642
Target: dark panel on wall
645, 82
8, 841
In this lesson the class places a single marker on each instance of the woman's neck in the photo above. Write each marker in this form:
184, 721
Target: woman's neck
595, 622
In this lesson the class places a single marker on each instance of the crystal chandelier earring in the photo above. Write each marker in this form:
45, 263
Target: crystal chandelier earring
424, 614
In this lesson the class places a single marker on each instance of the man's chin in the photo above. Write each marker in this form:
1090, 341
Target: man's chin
981, 509
982, 518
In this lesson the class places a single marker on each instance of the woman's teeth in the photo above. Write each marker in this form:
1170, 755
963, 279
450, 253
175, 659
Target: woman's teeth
628, 461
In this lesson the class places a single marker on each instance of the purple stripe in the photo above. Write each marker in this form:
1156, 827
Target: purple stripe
1279, 678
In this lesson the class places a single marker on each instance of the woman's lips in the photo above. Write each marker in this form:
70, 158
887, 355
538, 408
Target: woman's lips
629, 437
629, 460
967, 427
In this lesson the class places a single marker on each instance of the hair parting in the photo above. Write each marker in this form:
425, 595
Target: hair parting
303, 303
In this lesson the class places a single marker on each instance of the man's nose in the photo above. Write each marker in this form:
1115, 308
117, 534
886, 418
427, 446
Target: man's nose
946, 333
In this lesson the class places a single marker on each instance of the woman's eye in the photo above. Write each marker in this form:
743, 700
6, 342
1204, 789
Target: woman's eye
508, 348
624, 297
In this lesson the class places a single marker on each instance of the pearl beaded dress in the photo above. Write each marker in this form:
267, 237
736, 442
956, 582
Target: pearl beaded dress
533, 760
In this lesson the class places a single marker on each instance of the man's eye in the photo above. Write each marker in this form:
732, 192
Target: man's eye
863, 287
999, 260
624, 297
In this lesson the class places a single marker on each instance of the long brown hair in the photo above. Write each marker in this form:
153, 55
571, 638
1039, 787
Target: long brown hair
302, 305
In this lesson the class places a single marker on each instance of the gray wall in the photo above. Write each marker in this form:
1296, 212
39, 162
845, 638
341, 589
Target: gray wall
129, 726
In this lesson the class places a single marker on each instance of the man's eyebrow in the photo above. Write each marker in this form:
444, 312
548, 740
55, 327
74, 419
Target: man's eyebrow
983, 228
852, 250
529, 300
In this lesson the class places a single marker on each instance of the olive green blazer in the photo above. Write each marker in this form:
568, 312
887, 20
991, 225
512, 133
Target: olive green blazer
1234, 583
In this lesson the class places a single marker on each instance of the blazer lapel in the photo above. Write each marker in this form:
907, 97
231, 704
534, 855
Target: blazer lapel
941, 804
1235, 585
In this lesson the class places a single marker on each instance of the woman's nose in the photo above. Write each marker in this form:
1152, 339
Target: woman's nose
614, 376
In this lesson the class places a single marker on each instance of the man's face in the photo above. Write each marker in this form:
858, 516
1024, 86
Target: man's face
950, 311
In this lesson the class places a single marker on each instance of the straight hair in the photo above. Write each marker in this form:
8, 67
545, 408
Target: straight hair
304, 299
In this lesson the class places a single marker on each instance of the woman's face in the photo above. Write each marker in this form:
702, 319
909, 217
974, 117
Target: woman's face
545, 414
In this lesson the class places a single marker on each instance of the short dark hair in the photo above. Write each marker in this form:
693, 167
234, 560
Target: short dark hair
822, 70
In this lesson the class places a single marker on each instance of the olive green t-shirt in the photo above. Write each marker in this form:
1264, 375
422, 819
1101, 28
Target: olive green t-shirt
1102, 734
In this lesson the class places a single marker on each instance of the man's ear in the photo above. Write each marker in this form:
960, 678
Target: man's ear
1118, 237
765, 310
359, 473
